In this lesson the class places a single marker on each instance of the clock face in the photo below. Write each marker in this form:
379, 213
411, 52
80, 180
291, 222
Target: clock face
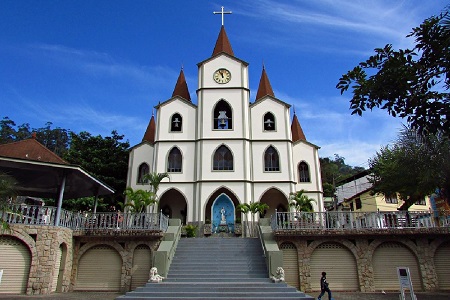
222, 76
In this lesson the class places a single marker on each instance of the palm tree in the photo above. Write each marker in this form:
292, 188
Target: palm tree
154, 179
253, 208
245, 209
301, 202
139, 200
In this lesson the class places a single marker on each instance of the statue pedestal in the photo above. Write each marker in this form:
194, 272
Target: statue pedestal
223, 228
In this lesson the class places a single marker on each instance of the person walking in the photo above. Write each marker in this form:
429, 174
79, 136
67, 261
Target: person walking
324, 287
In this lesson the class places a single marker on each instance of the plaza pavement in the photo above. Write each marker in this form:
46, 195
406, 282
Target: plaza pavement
336, 296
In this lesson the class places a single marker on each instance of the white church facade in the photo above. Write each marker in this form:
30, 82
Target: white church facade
227, 149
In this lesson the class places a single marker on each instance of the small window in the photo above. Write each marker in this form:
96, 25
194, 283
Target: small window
269, 122
223, 116
223, 159
175, 161
271, 160
392, 199
303, 171
142, 171
358, 203
176, 122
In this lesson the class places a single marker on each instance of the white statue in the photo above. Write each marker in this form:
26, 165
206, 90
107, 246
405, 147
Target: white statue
154, 276
279, 276
223, 220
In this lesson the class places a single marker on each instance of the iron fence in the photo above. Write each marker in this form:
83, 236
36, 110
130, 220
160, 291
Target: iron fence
356, 220
46, 216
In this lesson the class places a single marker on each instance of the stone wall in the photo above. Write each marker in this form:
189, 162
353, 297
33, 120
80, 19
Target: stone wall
362, 244
125, 246
43, 243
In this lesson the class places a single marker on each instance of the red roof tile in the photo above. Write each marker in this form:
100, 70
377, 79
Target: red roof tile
264, 88
222, 43
149, 135
181, 88
297, 131
30, 149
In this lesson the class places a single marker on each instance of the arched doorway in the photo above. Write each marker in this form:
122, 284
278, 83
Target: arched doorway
173, 204
15, 260
99, 269
386, 258
290, 264
276, 200
339, 264
223, 214
213, 208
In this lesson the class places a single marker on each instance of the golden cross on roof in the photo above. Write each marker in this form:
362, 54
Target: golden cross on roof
222, 13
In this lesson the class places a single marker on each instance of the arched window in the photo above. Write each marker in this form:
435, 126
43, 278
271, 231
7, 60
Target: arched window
303, 172
269, 122
142, 171
176, 122
223, 116
271, 160
223, 159
174, 161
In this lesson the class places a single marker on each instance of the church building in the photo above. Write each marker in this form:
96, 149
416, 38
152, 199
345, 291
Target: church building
228, 149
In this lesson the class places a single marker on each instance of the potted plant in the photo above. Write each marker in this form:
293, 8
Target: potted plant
191, 230
207, 230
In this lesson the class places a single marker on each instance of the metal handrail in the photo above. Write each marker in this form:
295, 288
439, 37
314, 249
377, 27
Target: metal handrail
46, 215
357, 220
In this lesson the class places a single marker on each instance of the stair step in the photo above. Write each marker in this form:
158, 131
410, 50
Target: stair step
217, 268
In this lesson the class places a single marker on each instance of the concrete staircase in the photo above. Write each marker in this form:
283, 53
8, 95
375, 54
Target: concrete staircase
217, 268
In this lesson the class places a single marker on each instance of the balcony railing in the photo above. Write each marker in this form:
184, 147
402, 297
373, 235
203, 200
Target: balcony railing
46, 216
357, 220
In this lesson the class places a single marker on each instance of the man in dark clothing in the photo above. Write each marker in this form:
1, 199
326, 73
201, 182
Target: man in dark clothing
324, 287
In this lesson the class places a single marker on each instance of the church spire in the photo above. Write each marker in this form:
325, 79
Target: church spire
297, 131
181, 88
223, 44
149, 135
264, 88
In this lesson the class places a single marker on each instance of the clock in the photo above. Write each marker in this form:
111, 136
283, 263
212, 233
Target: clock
222, 76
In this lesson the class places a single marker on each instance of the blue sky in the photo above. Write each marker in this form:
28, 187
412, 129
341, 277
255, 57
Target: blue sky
103, 65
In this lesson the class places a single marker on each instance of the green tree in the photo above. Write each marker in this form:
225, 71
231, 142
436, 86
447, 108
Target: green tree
7, 131
253, 208
413, 167
56, 140
7, 190
139, 200
410, 83
154, 179
301, 202
333, 169
104, 157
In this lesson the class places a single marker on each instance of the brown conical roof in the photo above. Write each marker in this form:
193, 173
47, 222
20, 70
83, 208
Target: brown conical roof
181, 88
149, 135
223, 44
297, 131
30, 149
264, 88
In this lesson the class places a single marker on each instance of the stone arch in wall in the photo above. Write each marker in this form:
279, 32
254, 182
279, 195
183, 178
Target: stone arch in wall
142, 262
387, 256
15, 260
290, 264
276, 200
173, 204
442, 265
99, 267
342, 273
